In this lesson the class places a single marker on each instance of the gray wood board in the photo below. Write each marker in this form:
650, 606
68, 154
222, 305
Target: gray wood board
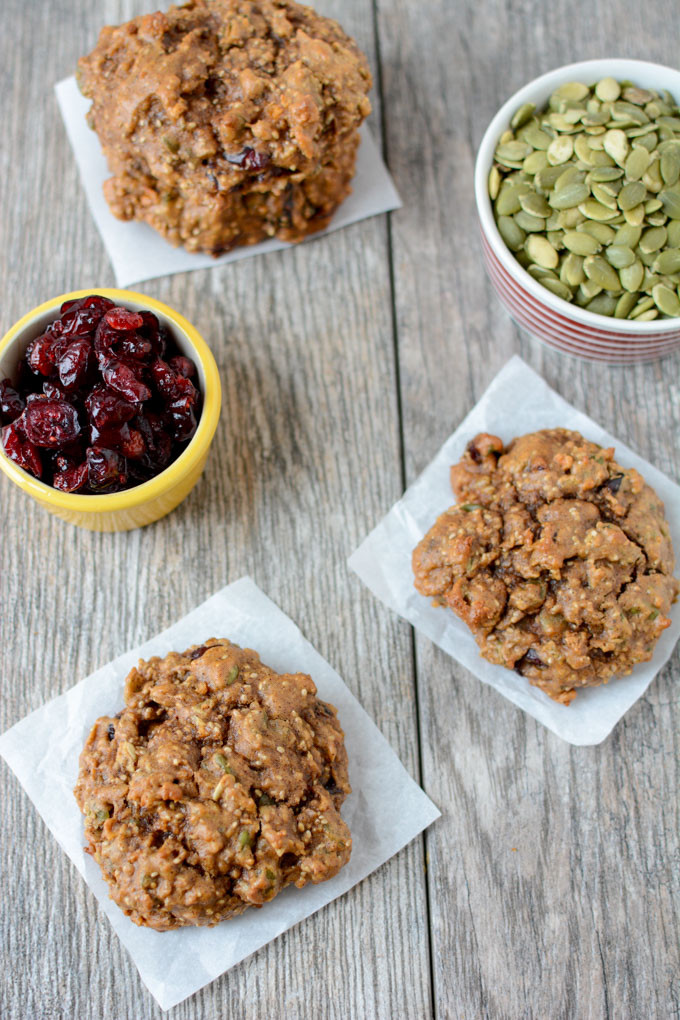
552, 879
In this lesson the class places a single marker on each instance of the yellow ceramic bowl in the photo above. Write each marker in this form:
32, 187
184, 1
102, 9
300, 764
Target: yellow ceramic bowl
148, 502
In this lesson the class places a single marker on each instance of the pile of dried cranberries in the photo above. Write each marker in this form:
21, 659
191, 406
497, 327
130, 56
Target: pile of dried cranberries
103, 400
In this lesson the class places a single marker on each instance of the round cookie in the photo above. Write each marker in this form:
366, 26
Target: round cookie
225, 122
557, 558
219, 784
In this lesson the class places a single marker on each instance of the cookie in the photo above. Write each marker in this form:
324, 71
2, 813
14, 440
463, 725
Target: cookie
218, 784
225, 122
558, 559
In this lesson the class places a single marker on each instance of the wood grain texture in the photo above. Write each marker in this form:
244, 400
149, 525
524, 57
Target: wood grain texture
553, 877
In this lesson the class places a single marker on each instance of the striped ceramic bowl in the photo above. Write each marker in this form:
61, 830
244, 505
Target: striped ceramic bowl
559, 323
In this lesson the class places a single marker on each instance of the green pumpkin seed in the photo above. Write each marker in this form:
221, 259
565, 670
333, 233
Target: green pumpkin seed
539, 273
508, 201
512, 152
619, 256
589, 289
628, 235
671, 204
631, 194
546, 179
536, 138
653, 239
604, 174
669, 166
570, 175
571, 195
557, 287
600, 272
560, 150
594, 210
535, 204
602, 232
634, 94
604, 197
666, 300
522, 115
608, 90
602, 304
571, 270
632, 276
647, 316
535, 162
494, 183
645, 305
637, 161
625, 305
581, 243
667, 262
541, 251
636, 215
567, 219
673, 229
532, 224
652, 178
617, 145
572, 90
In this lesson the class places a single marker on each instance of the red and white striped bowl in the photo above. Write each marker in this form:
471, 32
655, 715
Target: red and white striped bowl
558, 323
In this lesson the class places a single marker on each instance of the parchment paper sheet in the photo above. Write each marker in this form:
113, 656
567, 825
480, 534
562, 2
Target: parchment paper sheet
137, 252
517, 401
43, 751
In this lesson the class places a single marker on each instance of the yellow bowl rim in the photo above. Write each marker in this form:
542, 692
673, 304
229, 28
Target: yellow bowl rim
172, 475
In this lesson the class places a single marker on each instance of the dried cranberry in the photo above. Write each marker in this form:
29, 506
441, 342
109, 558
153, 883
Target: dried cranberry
51, 423
71, 478
133, 346
102, 304
121, 378
122, 319
181, 419
20, 449
53, 391
95, 407
249, 159
614, 483
164, 378
11, 404
74, 365
196, 653
105, 469
40, 355
182, 366
106, 408
134, 446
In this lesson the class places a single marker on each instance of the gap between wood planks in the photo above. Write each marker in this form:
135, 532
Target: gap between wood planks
402, 469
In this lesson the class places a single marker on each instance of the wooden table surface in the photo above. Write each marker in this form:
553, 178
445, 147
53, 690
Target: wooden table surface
549, 888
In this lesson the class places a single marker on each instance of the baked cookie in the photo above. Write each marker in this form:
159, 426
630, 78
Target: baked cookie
557, 558
225, 122
219, 784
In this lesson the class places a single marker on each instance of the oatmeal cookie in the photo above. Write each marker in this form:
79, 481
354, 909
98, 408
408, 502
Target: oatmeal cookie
225, 122
219, 784
558, 559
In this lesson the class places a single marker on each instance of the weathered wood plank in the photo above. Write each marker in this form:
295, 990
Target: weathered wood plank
306, 457
554, 873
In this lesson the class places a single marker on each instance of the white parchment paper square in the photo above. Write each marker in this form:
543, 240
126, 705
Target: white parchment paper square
137, 252
43, 751
517, 401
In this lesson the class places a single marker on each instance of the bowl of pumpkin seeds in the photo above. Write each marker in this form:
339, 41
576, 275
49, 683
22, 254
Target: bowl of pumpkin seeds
577, 184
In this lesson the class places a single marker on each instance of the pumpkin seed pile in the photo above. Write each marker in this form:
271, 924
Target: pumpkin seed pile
586, 194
